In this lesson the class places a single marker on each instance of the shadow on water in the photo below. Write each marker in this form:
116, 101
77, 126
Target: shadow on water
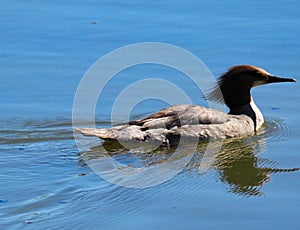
238, 162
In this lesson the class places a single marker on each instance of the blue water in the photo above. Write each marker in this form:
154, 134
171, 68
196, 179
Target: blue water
45, 49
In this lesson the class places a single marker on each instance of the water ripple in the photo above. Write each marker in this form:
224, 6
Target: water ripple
239, 165
277, 130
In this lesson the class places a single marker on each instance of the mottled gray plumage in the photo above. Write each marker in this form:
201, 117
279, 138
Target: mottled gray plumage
187, 121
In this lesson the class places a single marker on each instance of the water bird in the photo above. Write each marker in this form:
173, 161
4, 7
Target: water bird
186, 121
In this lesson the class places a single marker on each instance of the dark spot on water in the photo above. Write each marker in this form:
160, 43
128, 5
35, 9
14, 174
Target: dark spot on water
28, 221
275, 108
3, 201
81, 174
174, 207
21, 149
62, 202
95, 22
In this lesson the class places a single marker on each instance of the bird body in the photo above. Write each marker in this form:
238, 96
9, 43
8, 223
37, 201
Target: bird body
187, 121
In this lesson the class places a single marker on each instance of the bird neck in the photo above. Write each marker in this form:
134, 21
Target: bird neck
250, 110
236, 95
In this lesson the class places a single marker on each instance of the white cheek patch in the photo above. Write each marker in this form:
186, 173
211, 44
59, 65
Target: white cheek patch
259, 82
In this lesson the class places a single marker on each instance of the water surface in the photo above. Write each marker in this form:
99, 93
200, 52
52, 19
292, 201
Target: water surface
46, 47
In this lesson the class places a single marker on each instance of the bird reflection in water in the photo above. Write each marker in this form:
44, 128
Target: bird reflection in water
240, 166
238, 162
